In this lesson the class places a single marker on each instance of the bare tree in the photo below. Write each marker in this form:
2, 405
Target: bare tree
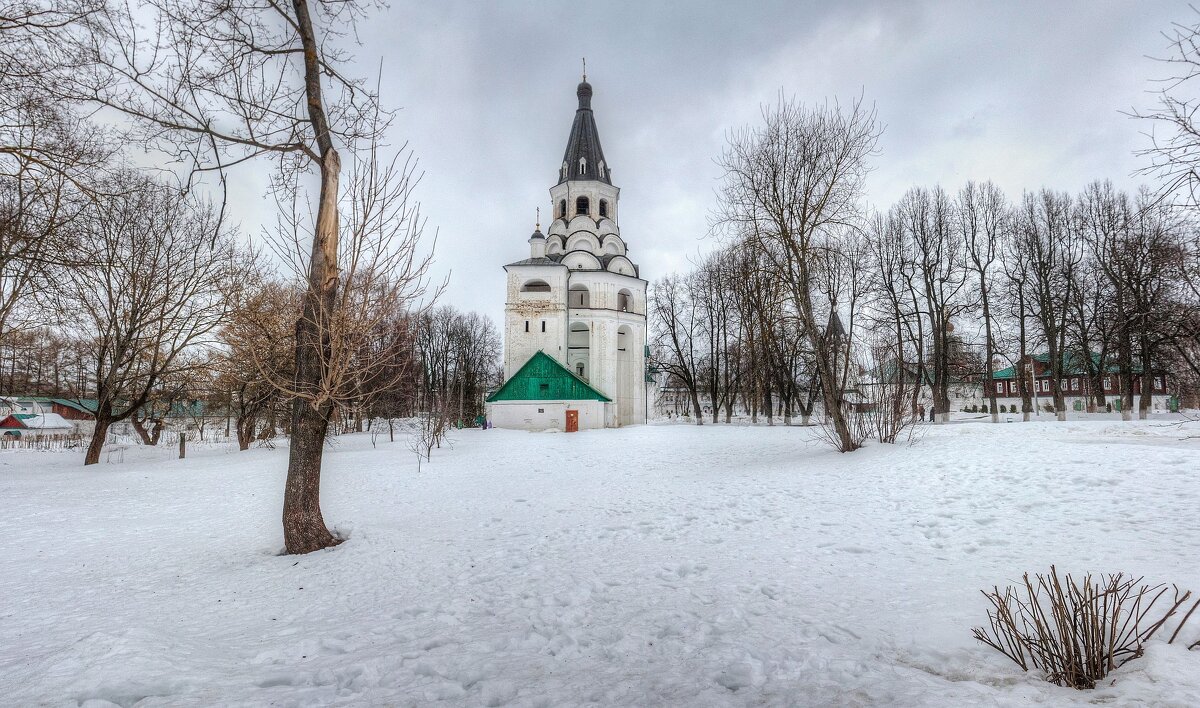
1048, 237
794, 182
714, 295
982, 212
43, 151
939, 266
152, 290
214, 84
676, 312
1102, 303
1174, 152
458, 354
258, 348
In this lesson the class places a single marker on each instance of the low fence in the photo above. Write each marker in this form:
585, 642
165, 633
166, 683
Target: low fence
41, 442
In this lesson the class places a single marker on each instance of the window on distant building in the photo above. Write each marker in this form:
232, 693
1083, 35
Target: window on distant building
543, 325
526, 325
581, 205
999, 387
1158, 383
544, 388
1107, 383
1074, 384
603, 207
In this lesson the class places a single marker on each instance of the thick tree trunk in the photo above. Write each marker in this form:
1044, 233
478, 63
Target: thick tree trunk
1098, 400
245, 430
99, 435
989, 346
140, 429
304, 529
1125, 354
696, 406
1146, 399
830, 388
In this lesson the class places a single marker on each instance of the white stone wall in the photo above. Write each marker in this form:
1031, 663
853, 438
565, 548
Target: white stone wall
534, 308
546, 415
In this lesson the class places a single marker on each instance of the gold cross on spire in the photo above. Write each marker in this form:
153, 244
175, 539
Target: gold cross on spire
538, 224
585, 68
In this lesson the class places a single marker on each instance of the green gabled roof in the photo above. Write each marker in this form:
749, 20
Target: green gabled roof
543, 378
83, 405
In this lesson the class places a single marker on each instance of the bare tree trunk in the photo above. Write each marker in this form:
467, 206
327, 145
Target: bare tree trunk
245, 430
140, 429
304, 527
99, 435
1147, 381
696, 407
1125, 375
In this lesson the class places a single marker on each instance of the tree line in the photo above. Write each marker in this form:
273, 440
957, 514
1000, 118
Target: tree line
813, 299
142, 301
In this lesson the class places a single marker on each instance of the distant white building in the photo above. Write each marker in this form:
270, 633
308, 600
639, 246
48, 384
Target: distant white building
579, 300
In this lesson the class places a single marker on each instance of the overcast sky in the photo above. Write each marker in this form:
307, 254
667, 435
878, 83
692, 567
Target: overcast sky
1024, 93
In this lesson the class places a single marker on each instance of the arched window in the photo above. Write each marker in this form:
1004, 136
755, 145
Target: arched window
625, 301
581, 206
579, 349
579, 296
562, 208
603, 208
535, 286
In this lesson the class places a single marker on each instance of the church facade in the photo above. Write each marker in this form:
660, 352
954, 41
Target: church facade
575, 311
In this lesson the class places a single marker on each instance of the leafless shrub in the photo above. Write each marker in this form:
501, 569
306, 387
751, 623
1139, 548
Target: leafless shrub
856, 427
430, 431
1075, 633
886, 417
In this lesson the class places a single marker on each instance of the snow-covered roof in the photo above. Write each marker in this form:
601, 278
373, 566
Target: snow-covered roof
45, 421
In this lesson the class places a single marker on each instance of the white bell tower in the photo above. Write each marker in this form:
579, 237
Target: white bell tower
578, 297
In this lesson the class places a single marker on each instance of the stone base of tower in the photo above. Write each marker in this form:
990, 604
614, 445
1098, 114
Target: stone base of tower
550, 415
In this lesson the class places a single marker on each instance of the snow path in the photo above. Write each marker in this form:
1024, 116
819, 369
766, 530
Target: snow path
657, 565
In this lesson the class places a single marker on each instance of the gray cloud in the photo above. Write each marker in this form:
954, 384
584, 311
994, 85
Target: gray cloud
1027, 94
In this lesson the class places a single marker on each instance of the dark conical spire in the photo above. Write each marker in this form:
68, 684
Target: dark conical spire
584, 159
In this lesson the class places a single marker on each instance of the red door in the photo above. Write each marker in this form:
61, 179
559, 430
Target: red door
572, 421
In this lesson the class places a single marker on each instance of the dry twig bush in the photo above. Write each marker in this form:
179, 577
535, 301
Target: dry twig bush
1075, 633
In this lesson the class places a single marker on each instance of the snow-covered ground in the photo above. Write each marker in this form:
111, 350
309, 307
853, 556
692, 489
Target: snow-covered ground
657, 565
